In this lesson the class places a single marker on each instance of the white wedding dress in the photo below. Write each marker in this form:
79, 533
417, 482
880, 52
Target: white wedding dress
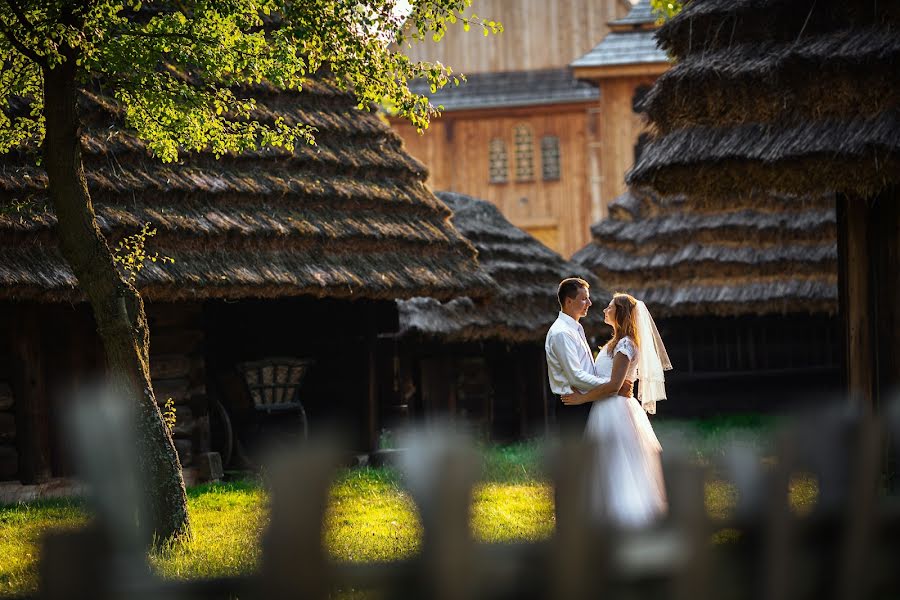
627, 485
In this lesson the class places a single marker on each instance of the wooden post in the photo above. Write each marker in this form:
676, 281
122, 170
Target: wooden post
885, 250
372, 391
32, 414
856, 297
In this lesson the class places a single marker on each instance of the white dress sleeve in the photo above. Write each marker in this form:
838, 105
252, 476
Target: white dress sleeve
626, 347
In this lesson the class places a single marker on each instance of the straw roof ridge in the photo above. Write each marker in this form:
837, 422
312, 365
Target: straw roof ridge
727, 237
527, 274
120, 178
680, 224
644, 204
709, 24
781, 297
262, 219
611, 259
851, 155
850, 71
367, 152
40, 273
204, 213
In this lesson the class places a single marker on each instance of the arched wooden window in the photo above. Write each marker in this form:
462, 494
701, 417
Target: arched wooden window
498, 169
524, 153
550, 158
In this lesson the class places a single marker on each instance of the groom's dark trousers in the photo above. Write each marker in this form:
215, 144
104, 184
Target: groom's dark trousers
572, 419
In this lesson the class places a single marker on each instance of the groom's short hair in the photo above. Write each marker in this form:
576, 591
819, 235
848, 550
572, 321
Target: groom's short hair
568, 288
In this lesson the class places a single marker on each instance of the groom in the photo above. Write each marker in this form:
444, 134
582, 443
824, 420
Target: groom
570, 362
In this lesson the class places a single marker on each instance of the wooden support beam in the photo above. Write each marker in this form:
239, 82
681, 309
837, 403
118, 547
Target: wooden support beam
868, 249
885, 248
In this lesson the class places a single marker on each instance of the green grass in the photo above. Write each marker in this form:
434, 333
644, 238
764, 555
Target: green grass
704, 440
21, 529
226, 520
370, 516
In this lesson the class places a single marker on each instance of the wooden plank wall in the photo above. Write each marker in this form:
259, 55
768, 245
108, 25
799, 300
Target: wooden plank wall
455, 149
614, 138
177, 368
538, 34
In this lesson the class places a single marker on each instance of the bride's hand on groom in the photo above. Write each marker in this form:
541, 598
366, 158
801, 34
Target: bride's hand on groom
574, 398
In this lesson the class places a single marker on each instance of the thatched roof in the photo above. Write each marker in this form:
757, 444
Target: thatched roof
745, 256
798, 96
350, 217
527, 273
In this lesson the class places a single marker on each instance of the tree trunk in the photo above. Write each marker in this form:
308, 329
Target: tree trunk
117, 306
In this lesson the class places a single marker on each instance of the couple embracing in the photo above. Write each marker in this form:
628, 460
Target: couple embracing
627, 483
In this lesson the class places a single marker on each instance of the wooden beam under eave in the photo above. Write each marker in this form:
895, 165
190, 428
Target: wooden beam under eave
610, 71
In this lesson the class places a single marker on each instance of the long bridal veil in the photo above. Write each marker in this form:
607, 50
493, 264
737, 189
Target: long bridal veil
653, 361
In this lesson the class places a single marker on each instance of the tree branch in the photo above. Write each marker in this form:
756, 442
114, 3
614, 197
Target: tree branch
20, 16
166, 35
22, 48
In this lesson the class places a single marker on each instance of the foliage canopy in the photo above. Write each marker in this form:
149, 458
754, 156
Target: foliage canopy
181, 71
666, 9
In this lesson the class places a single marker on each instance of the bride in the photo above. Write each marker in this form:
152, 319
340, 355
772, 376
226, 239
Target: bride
627, 487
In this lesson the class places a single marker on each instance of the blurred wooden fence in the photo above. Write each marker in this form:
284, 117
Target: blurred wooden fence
847, 547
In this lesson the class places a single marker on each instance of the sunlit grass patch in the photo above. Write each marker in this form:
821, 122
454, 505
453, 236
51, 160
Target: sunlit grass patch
22, 527
512, 512
227, 520
803, 491
370, 518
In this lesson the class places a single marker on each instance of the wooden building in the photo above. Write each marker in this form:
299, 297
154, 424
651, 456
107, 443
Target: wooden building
623, 66
484, 360
744, 292
276, 254
519, 131
797, 97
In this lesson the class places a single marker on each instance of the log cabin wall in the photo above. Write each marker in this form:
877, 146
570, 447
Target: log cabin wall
553, 208
48, 353
9, 454
178, 371
537, 34
773, 363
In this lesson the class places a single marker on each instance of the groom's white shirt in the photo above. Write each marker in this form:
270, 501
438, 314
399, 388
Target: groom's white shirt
570, 363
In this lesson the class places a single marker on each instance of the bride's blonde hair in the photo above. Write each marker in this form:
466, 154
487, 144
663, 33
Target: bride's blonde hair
624, 321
